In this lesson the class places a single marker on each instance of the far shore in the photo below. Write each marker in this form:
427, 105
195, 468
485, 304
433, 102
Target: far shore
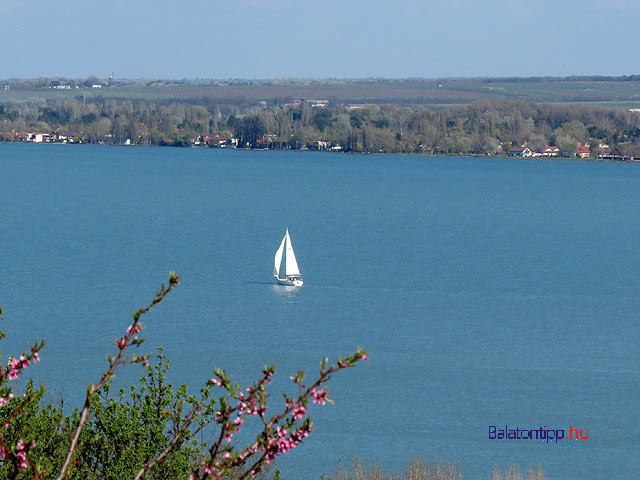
315, 150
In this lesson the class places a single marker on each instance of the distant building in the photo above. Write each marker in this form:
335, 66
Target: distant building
217, 141
318, 103
520, 152
38, 137
604, 151
550, 151
583, 152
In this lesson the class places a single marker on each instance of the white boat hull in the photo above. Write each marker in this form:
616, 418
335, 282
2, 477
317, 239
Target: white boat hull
292, 282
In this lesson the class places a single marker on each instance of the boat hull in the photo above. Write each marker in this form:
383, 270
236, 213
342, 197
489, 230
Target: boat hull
292, 282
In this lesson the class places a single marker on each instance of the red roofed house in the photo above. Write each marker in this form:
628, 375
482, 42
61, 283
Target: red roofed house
218, 141
605, 151
583, 152
550, 151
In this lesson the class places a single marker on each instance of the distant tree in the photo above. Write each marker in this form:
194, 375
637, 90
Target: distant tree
92, 80
628, 149
536, 142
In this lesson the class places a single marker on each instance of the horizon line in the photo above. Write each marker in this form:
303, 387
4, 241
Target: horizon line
334, 79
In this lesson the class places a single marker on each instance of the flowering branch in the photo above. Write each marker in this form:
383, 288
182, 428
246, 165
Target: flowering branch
280, 432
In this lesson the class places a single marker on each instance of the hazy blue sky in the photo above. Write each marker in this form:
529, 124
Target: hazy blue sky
313, 38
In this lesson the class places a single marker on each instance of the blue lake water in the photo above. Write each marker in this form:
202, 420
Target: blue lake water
490, 291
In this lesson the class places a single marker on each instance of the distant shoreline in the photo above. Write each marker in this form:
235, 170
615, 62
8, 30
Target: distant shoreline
405, 154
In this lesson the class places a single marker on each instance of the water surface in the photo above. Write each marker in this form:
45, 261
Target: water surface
490, 291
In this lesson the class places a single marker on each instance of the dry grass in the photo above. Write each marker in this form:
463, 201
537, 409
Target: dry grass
513, 473
418, 469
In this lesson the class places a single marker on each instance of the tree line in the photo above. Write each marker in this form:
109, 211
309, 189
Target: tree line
483, 127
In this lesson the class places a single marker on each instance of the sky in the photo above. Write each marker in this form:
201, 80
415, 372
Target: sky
266, 39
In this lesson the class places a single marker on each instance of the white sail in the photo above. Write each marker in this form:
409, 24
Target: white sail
278, 259
291, 264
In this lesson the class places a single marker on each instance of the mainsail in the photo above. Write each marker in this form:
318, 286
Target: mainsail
291, 264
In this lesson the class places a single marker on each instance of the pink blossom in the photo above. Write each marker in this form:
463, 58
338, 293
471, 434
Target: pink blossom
135, 328
13, 374
299, 412
21, 454
319, 397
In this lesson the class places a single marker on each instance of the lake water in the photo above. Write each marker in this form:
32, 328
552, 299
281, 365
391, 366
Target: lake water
490, 291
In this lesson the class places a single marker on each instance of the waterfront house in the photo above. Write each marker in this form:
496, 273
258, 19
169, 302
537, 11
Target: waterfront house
217, 141
550, 151
583, 152
604, 151
39, 137
520, 152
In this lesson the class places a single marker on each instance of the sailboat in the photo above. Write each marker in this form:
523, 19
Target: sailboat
286, 262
